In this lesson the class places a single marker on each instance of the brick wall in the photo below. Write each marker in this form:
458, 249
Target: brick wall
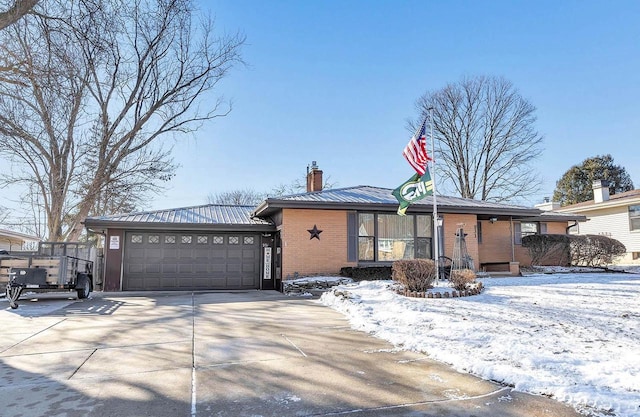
553, 228
496, 242
312, 256
468, 222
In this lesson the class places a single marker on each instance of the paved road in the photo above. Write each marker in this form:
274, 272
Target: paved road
254, 353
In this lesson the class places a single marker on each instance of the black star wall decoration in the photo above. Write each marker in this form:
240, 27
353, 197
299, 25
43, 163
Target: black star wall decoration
315, 232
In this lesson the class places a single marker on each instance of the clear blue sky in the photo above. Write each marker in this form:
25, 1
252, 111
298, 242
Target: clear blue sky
336, 81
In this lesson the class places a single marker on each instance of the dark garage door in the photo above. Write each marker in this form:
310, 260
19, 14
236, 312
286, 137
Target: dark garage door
191, 261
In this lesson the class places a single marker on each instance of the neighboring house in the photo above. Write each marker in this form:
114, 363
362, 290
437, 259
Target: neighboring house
313, 233
16, 241
616, 216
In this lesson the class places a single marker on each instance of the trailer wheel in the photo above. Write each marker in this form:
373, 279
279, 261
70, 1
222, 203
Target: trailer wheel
83, 286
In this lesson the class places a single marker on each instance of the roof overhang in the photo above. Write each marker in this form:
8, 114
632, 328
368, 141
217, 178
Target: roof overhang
271, 206
101, 226
621, 202
567, 217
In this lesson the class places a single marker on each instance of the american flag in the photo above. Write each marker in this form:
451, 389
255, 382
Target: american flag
416, 150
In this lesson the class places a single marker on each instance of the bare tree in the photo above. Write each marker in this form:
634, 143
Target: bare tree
89, 95
12, 11
485, 137
246, 197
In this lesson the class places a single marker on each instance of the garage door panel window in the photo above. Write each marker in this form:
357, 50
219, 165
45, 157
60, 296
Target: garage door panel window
248, 240
218, 240
234, 240
169, 239
136, 238
186, 239
153, 239
202, 240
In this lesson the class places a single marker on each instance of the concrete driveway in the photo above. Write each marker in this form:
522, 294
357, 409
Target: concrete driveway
253, 353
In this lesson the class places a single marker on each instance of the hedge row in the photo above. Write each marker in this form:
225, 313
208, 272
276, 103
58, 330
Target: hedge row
576, 250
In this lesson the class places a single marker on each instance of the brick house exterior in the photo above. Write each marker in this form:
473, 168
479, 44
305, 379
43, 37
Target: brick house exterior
313, 233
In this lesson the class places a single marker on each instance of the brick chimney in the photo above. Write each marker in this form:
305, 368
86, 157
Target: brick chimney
314, 178
600, 191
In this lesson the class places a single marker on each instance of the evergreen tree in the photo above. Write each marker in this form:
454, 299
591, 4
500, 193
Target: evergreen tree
576, 185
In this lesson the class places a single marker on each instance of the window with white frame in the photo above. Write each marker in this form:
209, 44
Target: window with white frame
634, 218
523, 229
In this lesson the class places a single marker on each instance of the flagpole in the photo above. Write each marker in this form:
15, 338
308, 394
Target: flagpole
436, 243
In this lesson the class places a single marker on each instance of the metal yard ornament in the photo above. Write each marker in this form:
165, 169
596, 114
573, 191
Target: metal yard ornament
315, 232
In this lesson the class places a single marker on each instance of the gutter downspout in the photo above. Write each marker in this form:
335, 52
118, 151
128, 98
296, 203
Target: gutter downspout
569, 227
513, 246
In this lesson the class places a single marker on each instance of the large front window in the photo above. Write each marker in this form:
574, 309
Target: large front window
389, 237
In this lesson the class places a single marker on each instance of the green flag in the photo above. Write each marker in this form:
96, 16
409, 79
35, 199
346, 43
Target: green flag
414, 189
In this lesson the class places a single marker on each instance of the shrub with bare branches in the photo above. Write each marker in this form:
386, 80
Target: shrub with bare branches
414, 274
595, 250
552, 249
459, 278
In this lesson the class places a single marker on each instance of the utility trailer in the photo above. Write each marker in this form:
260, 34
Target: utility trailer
55, 266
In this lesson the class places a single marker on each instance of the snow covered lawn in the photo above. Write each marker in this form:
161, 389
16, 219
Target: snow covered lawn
574, 337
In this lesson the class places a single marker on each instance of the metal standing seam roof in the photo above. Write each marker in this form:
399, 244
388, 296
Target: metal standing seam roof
205, 214
367, 195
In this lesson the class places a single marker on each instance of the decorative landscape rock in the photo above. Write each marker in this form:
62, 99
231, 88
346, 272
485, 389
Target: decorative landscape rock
311, 285
472, 289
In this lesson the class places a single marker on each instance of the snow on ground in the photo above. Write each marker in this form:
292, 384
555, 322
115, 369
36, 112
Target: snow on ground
575, 337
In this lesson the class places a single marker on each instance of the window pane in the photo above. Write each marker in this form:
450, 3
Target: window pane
424, 226
185, 239
202, 240
365, 248
424, 248
365, 227
395, 237
169, 239
528, 228
634, 217
153, 239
